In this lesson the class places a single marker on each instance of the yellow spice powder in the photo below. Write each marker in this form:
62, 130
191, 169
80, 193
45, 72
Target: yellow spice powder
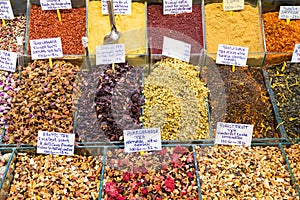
131, 26
241, 29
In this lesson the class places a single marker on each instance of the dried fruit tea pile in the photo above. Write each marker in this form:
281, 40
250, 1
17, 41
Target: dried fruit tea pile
8, 34
293, 154
234, 172
247, 99
7, 90
133, 27
241, 29
55, 177
45, 24
119, 100
166, 174
284, 80
186, 27
43, 102
175, 101
85, 87
280, 36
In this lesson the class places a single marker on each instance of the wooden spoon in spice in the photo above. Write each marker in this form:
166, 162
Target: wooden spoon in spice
114, 35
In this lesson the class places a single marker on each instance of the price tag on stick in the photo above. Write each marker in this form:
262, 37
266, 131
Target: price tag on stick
110, 53
55, 143
232, 55
177, 6
8, 60
230, 5
121, 7
234, 134
57, 4
176, 49
139, 140
296, 54
6, 11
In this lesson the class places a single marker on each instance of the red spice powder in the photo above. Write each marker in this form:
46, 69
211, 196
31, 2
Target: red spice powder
45, 24
186, 27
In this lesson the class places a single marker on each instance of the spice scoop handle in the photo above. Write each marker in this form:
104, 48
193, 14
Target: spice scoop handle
110, 8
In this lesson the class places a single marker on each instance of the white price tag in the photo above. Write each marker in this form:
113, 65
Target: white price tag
111, 53
6, 11
289, 12
8, 60
121, 7
177, 6
176, 49
234, 134
232, 55
296, 54
56, 4
233, 5
142, 140
55, 143
46, 48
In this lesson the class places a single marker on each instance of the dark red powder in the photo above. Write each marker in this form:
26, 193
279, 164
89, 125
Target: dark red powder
186, 27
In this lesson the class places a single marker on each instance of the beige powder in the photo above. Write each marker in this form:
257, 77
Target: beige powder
132, 26
243, 28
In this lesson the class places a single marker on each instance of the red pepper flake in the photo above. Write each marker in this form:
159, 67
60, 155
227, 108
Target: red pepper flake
169, 184
144, 191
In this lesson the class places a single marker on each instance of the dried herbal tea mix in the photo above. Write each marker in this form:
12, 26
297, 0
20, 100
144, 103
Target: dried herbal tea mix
119, 100
234, 172
284, 80
280, 36
186, 27
293, 154
43, 101
8, 34
247, 99
175, 101
166, 174
55, 177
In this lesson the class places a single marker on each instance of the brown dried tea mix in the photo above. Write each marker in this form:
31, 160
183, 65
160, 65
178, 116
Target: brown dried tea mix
43, 101
234, 172
284, 80
247, 99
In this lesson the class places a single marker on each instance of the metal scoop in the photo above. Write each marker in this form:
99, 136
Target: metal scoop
114, 35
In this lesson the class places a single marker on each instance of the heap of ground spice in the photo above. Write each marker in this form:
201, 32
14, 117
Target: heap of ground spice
45, 24
186, 27
243, 28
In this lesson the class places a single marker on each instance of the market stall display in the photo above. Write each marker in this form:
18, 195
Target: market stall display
284, 80
43, 101
235, 172
246, 99
52, 176
175, 101
243, 28
166, 174
133, 27
45, 24
186, 27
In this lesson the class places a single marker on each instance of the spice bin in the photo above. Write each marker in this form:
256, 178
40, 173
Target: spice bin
236, 172
6, 170
240, 97
284, 80
176, 101
132, 27
54, 176
43, 101
185, 27
244, 28
292, 153
280, 35
42, 24
166, 174
110, 101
